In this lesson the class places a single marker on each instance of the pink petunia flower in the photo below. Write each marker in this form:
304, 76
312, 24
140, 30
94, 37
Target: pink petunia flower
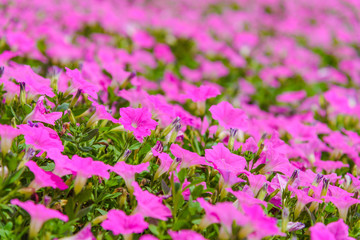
120, 223
333, 231
200, 94
224, 213
40, 114
44, 178
78, 82
61, 162
127, 172
150, 205
222, 158
137, 120
7, 133
101, 113
186, 235
165, 163
85, 168
83, 234
186, 158
229, 117
163, 52
39, 215
41, 137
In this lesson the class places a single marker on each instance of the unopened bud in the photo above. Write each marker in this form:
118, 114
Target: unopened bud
22, 95
76, 98
233, 133
168, 129
285, 219
174, 133
293, 177
125, 155
294, 226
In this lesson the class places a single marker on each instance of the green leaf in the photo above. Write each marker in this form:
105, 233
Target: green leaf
165, 187
135, 146
49, 167
182, 175
92, 133
154, 230
62, 107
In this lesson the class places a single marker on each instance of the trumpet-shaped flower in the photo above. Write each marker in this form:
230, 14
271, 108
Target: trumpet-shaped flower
119, 223
165, 164
137, 120
41, 137
200, 94
333, 231
7, 133
186, 157
85, 168
150, 205
39, 214
229, 117
127, 172
186, 235
84, 234
44, 178
40, 114
222, 158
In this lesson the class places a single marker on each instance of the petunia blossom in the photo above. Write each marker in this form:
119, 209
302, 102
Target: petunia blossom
229, 117
85, 168
7, 133
119, 223
150, 205
137, 120
83, 234
41, 137
39, 215
128, 171
187, 158
333, 231
186, 235
41, 114
44, 178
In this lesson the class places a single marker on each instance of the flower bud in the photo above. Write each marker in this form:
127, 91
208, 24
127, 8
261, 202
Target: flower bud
294, 226
293, 177
125, 155
22, 96
2, 69
174, 133
233, 133
76, 98
262, 192
285, 219
168, 129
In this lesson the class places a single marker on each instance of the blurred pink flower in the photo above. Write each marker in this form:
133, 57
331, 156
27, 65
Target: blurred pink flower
83, 234
229, 117
186, 235
333, 231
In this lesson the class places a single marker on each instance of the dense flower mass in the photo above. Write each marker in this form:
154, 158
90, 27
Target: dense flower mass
155, 119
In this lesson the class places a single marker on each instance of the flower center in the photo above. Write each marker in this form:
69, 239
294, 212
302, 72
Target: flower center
134, 125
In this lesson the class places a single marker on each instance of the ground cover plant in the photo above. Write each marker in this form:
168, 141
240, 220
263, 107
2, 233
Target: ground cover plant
217, 119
